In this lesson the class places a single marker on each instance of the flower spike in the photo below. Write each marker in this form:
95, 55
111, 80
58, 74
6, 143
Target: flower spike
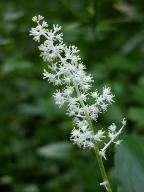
67, 70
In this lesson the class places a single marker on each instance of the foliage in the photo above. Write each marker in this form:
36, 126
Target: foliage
34, 134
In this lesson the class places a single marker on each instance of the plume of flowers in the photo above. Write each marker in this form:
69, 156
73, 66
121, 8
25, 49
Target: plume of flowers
66, 70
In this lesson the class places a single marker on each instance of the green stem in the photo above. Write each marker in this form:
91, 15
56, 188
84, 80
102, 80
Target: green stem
97, 153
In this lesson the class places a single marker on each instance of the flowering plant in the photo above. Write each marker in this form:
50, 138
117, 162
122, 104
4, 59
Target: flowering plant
67, 71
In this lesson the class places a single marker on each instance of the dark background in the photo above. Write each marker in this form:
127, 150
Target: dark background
35, 152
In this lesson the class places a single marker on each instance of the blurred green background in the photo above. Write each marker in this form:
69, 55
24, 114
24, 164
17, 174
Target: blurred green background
35, 152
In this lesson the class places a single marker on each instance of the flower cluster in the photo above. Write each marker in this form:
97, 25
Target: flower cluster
66, 70
85, 137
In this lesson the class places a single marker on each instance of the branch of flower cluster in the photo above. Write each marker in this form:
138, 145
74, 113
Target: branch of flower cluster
112, 135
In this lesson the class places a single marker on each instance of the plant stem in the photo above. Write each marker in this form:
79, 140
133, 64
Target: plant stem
97, 153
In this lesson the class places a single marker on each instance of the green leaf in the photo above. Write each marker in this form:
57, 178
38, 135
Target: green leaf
129, 160
120, 62
56, 150
129, 10
12, 65
13, 15
137, 115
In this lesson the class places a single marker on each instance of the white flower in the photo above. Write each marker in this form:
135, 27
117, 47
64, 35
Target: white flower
68, 91
59, 98
112, 127
82, 138
56, 28
107, 95
66, 69
118, 142
83, 125
95, 94
40, 29
104, 184
103, 154
99, 136
37, 18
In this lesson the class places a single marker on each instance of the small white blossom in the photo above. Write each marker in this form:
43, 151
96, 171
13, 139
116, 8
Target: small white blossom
118, 142
112, 127
103, 154
107, 96
95, 94
59, 98
99, 136
66, 69
37, 18
82, 137
40, 29
83, 125
104, 184
68, 91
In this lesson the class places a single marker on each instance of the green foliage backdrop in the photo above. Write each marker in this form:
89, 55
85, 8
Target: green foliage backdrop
35, 152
